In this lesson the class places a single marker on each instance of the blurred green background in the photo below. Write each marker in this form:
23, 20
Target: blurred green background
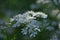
9, 8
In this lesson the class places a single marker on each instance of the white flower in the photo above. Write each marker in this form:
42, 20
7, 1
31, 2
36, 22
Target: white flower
33, 34
37, 14
44, 16
11, 19
41, 14
24, 31
32, 28
37, 29
28, 16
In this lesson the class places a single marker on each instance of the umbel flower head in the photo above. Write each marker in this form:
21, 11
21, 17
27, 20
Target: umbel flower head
29, 17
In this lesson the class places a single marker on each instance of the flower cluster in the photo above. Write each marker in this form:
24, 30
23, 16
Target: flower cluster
30, 15
32, 26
